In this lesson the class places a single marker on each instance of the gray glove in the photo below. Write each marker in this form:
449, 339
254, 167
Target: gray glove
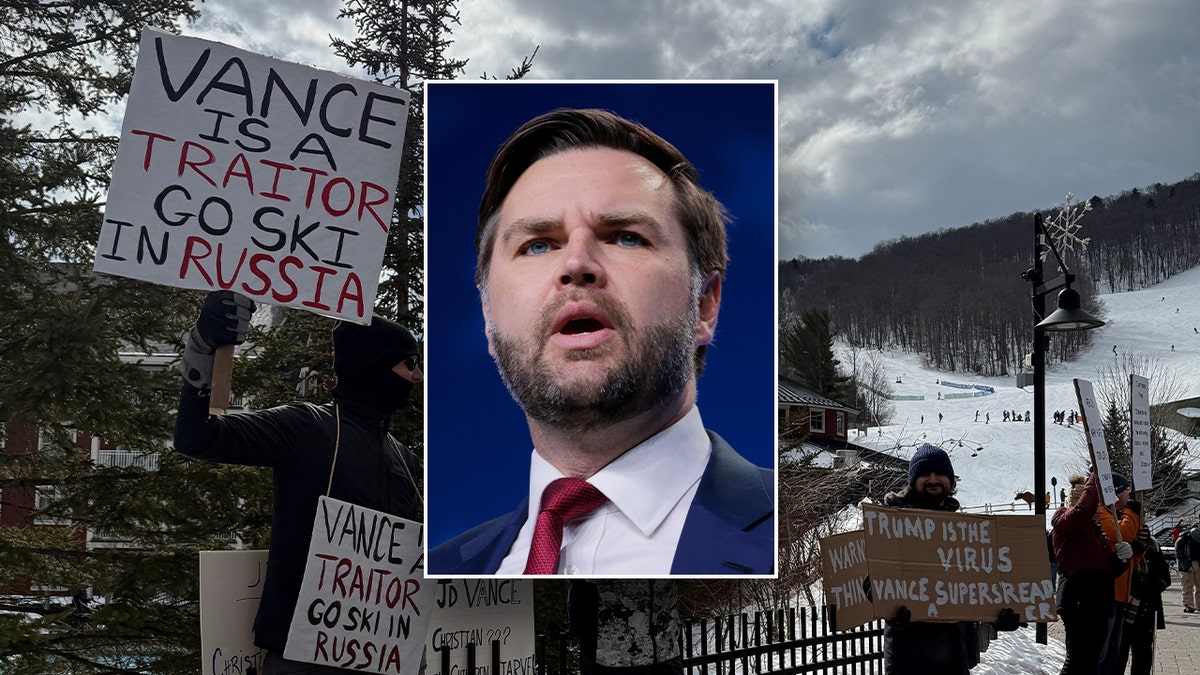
1124, 551
224, 320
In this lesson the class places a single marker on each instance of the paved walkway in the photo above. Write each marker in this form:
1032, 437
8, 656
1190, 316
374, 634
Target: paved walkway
1177, 649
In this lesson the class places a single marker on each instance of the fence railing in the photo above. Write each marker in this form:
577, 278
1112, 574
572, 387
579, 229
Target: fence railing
785, 641
790, 641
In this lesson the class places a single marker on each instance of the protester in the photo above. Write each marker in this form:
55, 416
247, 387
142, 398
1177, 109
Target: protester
1129, 523
1086, 562
1144, 612
341, 448
1187, 556
926, 647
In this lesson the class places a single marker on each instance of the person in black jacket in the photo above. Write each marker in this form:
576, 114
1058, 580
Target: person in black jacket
341, 448
926, 647
1144, 612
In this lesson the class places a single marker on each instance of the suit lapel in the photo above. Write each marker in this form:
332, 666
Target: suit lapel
483, 553
729, 528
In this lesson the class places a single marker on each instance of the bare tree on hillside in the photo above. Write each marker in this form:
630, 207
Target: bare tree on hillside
874, 389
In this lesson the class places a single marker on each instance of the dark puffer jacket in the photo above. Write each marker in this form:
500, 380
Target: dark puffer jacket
926, 647
297, 442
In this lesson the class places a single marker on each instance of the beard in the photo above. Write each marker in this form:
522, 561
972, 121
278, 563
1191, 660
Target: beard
659, 365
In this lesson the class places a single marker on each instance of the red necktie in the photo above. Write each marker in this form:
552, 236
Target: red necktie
563, 500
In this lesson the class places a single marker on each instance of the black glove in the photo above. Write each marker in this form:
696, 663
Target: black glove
225, 319
902, 619
1143, 541
1007, 620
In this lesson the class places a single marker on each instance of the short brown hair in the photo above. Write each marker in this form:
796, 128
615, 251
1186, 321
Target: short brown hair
702, 216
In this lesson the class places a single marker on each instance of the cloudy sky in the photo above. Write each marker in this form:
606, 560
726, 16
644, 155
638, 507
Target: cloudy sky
896, 118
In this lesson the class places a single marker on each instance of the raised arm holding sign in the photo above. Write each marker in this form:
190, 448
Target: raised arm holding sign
338, 449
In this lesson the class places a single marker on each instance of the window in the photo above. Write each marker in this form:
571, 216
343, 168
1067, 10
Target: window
45, 496
841, 424
816, 420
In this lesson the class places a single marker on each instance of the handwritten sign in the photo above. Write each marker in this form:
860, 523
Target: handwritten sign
364, 603
478, 611
957, 567
1093, 426
230, 590
1139, 431
844, 561
238, 171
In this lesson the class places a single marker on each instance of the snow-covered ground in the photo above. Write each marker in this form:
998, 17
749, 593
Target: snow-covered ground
994, 458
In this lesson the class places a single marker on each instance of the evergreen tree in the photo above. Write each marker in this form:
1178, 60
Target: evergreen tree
62, 376
70, 343
1116, 436
806, 348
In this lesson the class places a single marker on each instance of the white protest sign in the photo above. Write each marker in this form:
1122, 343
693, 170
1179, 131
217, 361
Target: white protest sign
364, 603
1139, 431
230, 589
1094, 429
237, 171
479, 611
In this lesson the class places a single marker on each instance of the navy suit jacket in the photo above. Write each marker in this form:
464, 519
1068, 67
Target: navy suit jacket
730, 527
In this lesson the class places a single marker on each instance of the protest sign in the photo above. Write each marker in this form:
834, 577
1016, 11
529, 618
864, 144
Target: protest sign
230, 589
948, 566
364, 603
1139, 431
1093, 427
479, 611
237, 171
844, 562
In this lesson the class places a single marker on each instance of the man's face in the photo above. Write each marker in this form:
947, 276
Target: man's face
1122, 499
409, 370
593, 310
933, 485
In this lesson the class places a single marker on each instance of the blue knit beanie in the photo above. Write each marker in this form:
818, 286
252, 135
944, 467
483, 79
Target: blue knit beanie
1120, 483
929, 458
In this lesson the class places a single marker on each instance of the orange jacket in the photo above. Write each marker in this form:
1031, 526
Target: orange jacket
1130, 524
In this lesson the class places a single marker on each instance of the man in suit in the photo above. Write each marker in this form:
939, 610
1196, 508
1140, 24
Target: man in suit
600, 264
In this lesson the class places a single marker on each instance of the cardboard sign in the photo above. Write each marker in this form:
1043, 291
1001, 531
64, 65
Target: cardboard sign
1139, 431
230, 590
478, 611
844, 562
364, 603
238, 171
1093, 426
957, 567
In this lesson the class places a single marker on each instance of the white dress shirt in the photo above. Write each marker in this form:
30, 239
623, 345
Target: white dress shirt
650, 489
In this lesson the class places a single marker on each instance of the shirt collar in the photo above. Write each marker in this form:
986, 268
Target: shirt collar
646, 481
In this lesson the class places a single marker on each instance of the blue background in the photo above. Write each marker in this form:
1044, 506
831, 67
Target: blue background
477, 440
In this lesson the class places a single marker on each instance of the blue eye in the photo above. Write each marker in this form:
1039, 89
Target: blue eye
629, 239
536, 248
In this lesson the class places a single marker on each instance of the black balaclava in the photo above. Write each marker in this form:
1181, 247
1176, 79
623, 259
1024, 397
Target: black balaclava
363, 358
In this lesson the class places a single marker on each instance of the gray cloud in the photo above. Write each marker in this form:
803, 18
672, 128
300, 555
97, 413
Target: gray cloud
896, 118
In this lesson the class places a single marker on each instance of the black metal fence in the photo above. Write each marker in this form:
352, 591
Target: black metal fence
788, 641
783, 641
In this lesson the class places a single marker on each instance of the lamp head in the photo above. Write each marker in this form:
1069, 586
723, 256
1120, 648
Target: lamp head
1069, 316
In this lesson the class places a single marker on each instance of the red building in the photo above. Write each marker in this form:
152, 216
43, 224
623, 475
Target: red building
802, 411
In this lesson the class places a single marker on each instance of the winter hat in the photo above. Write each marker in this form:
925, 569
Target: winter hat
929, 458
363, 358
1120, 483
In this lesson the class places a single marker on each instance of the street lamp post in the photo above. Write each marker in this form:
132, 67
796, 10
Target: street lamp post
1068, 317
